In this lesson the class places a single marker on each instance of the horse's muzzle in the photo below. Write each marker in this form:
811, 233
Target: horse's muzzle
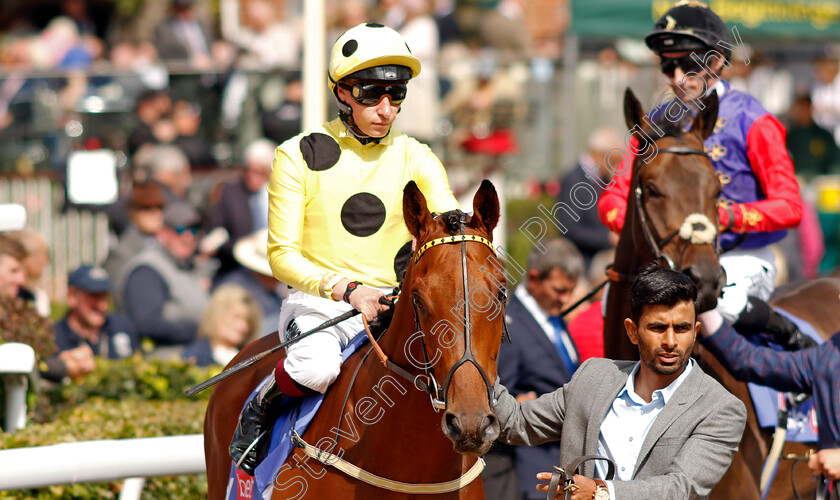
471, 435
710, 280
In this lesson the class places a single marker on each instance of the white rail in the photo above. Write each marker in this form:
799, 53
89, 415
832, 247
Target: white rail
101, 461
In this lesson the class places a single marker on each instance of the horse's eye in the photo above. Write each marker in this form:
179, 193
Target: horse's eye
652, 191
502, 295
417, 302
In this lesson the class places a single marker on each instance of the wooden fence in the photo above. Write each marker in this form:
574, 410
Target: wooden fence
74, 237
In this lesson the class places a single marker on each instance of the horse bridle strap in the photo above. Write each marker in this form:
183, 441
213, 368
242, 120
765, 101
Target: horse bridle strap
565, 476
357, 472
452, 239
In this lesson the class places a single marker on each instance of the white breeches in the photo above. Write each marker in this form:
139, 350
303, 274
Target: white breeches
749, 273
314, 362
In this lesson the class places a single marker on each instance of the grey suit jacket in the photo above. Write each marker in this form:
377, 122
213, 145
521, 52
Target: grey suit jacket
686, 452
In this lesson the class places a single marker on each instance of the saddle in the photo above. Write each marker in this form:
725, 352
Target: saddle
566, 476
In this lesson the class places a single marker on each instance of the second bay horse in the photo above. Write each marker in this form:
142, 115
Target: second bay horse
673, 197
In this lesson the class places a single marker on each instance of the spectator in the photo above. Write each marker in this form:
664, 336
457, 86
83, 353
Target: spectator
267, 42
169, 166
283, 123
587, 328
542, 355
243, 205
826, 94
12, 275
254, 275
164, 292
186, 118
88, 323
671, 429
182, 37
812, 148
589, 177
151, 125
145, 214
37, 258
19, 322
231, 321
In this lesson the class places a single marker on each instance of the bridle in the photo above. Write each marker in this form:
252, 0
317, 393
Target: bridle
686, 230
426, 381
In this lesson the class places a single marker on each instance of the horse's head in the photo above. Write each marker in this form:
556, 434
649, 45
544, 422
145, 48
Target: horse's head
675, 191
457, 290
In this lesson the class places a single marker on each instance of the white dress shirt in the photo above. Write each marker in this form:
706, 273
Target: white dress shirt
627, 424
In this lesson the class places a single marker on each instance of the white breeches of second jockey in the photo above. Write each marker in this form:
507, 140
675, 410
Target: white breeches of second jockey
314, 362
749, 273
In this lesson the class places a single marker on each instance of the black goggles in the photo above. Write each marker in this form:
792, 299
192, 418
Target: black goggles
368, 94
686, 63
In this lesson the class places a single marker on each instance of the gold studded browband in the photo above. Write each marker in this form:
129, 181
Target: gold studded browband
452, 239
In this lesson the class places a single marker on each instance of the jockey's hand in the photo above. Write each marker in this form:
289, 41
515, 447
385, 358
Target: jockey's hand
365, 299
827, 463
585, 486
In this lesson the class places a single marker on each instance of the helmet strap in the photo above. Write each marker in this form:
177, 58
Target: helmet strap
345, 112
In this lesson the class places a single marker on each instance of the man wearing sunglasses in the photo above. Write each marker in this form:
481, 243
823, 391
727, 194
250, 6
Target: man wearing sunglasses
336, 229
760, 197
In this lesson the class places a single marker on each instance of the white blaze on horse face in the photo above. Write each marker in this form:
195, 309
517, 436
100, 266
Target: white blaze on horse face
698, 230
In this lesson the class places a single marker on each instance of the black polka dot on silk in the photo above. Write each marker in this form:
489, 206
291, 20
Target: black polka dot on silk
320, 151
349, 47
375, 25
401, 261
363, 214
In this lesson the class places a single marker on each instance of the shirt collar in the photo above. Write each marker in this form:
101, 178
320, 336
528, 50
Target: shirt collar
338, 129
664, 394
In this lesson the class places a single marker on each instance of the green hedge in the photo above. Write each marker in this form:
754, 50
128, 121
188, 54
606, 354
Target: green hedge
130, 398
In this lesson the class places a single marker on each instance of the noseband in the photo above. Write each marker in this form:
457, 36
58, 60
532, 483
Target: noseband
695, 229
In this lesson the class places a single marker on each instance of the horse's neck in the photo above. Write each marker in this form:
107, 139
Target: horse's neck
385, 415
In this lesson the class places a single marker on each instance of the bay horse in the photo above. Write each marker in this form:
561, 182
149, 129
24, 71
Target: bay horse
678, 180
388, 425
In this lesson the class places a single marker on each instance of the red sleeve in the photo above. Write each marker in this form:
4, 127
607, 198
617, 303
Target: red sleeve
612, 204
772, 166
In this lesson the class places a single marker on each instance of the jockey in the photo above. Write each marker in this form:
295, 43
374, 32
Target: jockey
760, 196
336, 229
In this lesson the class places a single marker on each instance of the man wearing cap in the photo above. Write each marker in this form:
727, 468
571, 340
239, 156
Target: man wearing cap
88, 321
164, 291
336, 228
760, 197
243, 205
145, 213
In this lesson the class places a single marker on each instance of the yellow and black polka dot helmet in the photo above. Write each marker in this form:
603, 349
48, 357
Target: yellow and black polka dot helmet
372, 46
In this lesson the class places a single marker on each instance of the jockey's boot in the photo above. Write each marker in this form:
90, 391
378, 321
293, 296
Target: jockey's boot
758, 317
249, 439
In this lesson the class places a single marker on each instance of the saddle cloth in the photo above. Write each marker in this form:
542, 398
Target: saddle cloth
802, 421
296, 414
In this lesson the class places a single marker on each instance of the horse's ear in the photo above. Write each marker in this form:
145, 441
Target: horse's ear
485, 208
633, 112
706, 119
415, 211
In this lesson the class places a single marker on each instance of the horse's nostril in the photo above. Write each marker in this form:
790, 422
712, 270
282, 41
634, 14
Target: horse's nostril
453, 426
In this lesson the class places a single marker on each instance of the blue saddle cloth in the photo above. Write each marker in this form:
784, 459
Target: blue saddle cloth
297, 414
802, 421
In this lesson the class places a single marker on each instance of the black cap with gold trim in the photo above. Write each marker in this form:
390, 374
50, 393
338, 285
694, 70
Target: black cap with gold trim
688, 25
